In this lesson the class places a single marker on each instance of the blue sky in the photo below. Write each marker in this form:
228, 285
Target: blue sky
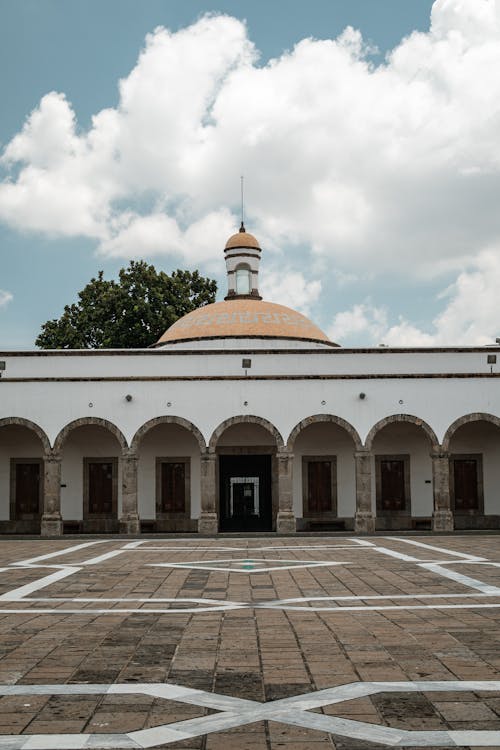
371, 160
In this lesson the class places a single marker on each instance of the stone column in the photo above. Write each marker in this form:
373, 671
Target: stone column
442, 518
364, 521
51, 521
208, 522
285, 522
129, 519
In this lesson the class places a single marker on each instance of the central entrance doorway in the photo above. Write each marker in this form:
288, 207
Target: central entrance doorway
245, 493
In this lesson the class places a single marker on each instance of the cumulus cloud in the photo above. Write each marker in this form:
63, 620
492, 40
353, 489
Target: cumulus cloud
393, 166
470, 315
290, 288
5, 298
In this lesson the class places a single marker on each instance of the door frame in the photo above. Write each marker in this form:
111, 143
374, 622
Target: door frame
478, 457
113, 460
250, 450
405, 458
13, 488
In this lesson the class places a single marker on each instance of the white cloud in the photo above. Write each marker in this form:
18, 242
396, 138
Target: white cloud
470, 316
290, 288
5, 298
391, 168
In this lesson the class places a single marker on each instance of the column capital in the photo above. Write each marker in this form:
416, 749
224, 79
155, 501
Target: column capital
209, 455
52, 458
437, 453
362, 453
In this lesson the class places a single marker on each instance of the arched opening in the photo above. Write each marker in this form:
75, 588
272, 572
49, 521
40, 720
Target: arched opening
23, 446
324, 482
402, 473
90, 476
473, 445
168, 475
247, 474
243, 279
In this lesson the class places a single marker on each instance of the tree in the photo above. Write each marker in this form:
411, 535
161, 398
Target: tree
131, 312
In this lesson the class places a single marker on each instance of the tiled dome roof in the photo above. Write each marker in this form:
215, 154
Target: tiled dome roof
242, 239
243, 318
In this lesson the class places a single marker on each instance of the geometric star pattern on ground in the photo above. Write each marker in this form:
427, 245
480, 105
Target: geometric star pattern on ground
247, 565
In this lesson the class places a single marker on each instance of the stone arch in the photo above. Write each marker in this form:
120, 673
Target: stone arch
21, 422
95, 421
167, 419
248, 419
401, 418
467, 419
318, 418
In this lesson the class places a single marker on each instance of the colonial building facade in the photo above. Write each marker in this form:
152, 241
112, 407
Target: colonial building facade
245, 417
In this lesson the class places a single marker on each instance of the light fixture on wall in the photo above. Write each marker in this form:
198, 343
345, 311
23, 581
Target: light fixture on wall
169, 403
362, 396
128, 397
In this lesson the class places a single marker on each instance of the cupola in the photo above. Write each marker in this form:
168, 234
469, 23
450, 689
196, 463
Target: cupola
242, 255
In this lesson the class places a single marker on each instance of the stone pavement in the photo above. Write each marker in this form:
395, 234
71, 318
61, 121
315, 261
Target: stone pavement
250, 644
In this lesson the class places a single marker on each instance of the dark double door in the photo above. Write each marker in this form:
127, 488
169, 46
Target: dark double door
245, 493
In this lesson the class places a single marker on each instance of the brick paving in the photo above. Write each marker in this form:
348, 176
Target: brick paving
208, 614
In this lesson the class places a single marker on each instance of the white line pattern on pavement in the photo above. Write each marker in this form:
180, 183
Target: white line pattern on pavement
237, 712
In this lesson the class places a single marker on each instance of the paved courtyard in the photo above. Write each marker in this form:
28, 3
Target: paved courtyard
258, 644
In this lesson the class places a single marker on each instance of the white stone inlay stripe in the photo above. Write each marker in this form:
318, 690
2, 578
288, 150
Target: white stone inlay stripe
434, 548
235, 712
454, 575
40, 583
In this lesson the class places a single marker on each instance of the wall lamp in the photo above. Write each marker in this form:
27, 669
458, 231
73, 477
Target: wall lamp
128, 397
362, 396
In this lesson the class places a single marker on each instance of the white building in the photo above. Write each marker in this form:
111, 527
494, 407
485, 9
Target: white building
246, 417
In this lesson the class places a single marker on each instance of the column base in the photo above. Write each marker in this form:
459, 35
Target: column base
442, 520
286, 522
51, 526
130, 525
208, 524
364, 523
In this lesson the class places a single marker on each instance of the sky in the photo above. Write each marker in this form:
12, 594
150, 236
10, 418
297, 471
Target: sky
368, 133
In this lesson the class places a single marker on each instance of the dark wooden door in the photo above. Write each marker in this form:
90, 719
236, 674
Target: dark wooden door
466, 484
100, 488
173, 487
392, 484
27, 499
319, 487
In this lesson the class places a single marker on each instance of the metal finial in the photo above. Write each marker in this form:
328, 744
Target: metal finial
242, 227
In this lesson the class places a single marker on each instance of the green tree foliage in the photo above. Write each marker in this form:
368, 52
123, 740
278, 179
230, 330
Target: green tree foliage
131, 312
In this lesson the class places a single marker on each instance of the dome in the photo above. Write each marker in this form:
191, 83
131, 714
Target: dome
242, 239
243, 318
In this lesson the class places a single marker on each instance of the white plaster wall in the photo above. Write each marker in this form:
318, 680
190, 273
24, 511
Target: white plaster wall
167, 440
88, 441
483, 437
177, 360
325, 439
246, 434
207, 403
15, 442
405, 438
